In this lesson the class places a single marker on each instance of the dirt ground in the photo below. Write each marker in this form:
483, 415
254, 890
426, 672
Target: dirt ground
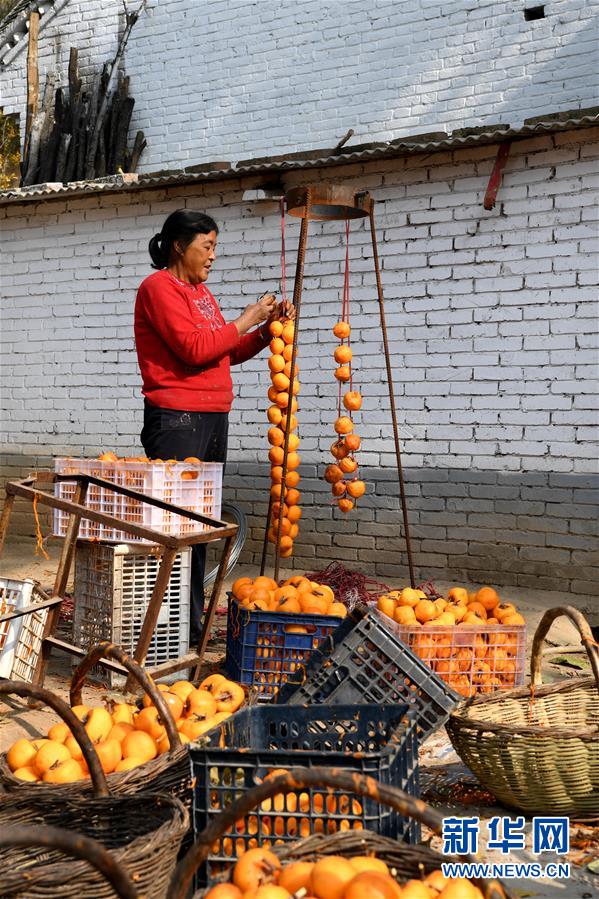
444, 778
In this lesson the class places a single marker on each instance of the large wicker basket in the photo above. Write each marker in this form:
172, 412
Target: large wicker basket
537, 748
408, 861
71, 844
143, 831
168, 773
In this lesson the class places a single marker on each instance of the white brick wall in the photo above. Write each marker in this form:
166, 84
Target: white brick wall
232, 79
92, 26
492, 319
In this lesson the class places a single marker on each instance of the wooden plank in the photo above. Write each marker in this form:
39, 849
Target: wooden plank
33, 83
36, 607
61, 645
211, 611
138, 148
189, 660
7, 508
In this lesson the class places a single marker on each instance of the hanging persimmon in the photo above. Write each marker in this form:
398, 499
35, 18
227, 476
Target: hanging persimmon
352, 400
333, 473
348, 465
288, 333
280, 382
356, 489
338, 489
346, 505
340, 449
343, 354
277, 346
344, 425
276, 363
352, 442
342, 330
276, 328
276, 437
274, 415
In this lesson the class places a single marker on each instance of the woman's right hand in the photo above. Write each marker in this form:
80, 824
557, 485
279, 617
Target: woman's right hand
256, 313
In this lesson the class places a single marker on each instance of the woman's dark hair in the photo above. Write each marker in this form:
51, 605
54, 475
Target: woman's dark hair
181, 226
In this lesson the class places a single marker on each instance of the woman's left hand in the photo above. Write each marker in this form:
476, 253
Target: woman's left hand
284, 311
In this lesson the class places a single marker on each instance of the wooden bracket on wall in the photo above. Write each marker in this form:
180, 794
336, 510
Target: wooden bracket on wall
495, 179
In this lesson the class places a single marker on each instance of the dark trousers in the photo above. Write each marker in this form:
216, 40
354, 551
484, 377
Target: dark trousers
174, 434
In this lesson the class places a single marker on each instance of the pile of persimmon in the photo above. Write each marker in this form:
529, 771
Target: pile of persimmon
297, 596
342, 474
124, 736
259, 874
283, 397
483, 658
189, 475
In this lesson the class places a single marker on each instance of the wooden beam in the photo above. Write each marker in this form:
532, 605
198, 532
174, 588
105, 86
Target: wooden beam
36, 607
33, 82
495, 178
81, 654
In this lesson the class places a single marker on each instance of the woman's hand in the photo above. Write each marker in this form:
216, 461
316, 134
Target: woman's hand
256, 313
284, 311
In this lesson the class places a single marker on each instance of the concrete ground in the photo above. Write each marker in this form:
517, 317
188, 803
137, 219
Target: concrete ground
441, 767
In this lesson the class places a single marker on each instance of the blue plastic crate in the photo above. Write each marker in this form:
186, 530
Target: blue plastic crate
381, 742
264, 648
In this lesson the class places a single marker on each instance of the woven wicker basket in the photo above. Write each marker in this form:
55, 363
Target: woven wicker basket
143, 831
74, 845
537, 748
408, 861
168, 773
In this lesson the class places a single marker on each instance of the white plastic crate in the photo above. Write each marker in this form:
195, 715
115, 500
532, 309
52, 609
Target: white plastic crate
197, 487
113, 586
21, 638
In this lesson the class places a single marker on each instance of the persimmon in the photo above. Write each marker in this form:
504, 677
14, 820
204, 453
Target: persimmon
344, 425
139, 744
288, 333
348, 465
287, 352
513, 619
339, 449
276, 363
65, 772
459, 888
280, 381
272, 394
195, 727
338, 489
368, 863
21, 754
163, 744
59, 732
386, 605
352, 400
244, 592
343, 355
276, 346
293, 422
356, 489
338, 610
150, 722
503, 609
287, 369
375, 885
333, 473
294, 514
274, 413
229, 696
488, 598
416, 889
27, 773
110, 754
404, 615
352, 441
282, 399
472, 618
293, 533
174, 703
440, 604
478, 609
425, 610
147, 699
458, 594
275, 328
255, 868
295, 876
293, 460
292, 496
98, 724
49, 755
236, 585
119, 732
458, 610
409, 597
342, 330
276, 455
292, 480
224, 891
122, 712
345, 504
343, 373
330, 876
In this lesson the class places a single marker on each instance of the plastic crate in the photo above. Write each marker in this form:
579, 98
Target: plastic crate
263, 648
365, 661
195, 487
471, 658
372, 740
113, 587
20, 638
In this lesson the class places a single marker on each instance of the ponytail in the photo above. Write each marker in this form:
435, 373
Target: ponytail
157, 253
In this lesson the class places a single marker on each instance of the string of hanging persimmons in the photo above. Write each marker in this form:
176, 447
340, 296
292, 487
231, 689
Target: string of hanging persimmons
342, 475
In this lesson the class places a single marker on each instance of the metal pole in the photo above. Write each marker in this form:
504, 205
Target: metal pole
402, 494
297, 299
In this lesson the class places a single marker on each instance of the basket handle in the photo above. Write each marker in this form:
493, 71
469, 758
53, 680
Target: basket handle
583, 627
108, 650
301, 778
77, 846
18, 688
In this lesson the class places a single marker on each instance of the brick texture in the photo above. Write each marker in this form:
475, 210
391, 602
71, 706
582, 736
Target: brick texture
493, 354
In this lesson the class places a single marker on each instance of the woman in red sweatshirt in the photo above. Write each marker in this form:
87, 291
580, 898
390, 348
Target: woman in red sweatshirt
185, 350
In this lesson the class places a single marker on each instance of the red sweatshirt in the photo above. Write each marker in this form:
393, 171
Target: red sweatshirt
184, 346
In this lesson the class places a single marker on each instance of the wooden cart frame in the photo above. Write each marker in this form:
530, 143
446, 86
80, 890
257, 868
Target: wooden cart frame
30, 488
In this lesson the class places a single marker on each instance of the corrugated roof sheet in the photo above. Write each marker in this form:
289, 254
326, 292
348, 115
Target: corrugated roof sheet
405, 146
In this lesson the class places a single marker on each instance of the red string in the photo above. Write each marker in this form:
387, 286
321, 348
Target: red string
283, 275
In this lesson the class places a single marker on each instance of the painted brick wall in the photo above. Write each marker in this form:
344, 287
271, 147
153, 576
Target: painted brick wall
92, 26
492, 319
232, 79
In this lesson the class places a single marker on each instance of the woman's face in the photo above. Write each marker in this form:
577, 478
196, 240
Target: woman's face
198, 257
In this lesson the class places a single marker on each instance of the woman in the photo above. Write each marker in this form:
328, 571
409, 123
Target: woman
185, 350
